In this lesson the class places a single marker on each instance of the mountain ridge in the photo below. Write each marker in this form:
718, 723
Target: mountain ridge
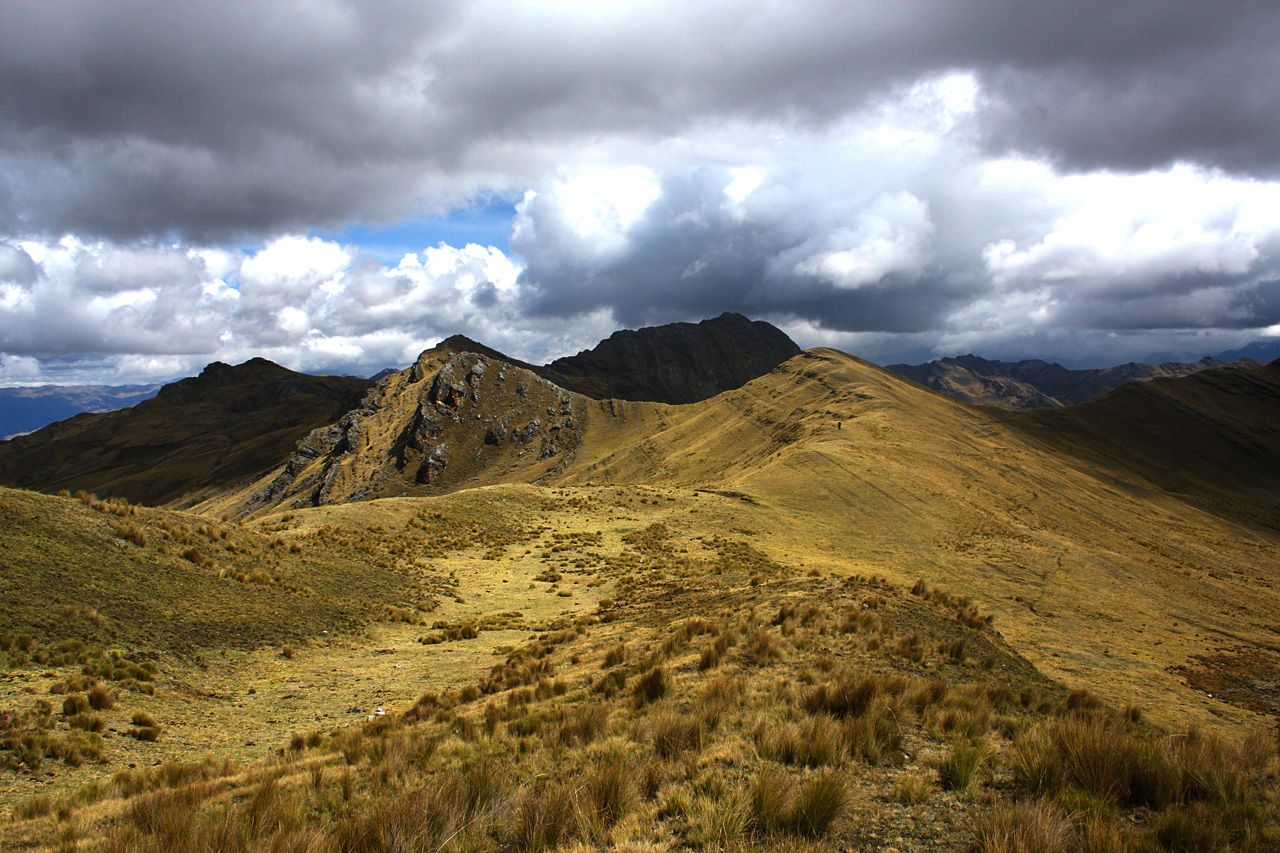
202, 433
1033, 383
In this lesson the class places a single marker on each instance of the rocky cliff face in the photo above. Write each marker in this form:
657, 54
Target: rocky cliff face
452, 417
676, 363
1036, 384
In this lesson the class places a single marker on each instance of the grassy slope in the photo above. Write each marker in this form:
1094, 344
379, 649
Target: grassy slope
1099, 581
198, 436
684, 577
1212, 437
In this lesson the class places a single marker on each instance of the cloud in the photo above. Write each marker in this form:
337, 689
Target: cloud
915, 175
163, 311
208, 122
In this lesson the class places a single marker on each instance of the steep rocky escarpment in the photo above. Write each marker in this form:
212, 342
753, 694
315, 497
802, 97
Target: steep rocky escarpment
456, 417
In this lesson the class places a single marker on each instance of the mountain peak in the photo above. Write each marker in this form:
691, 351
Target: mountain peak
676, 363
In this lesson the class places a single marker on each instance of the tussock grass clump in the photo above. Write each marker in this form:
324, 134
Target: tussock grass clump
545, 818
610, 790
809, 809
814, 742
848, 693
958, 770
76, 703
87, 722
876, 736
764, 647
131, 533
37, 805
914, 789
615, 656
101, 697
1023, 827
582, 724
651, 686
674, 732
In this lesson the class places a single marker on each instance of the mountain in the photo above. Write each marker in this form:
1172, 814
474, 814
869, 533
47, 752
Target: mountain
462, 412
1034, 384
676, 363
200, 434
26, 409
1213, 436
1268, 350
435, 450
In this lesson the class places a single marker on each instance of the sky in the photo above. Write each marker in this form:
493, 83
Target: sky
337, 186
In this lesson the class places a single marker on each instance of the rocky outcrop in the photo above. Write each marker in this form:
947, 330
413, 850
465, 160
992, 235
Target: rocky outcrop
676, 363
450, 418
1035, 384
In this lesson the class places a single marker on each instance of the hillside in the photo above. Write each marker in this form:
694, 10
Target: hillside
1212, 437
27, 409
210, 432
1035, 384
845, 466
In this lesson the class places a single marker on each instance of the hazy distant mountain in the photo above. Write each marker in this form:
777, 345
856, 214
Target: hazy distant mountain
26, 409
1265, 351
1035, 384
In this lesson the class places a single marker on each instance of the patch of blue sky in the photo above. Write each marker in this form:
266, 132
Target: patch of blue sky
487, 224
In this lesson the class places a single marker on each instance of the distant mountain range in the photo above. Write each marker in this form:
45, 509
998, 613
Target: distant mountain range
26, 409
1035, 384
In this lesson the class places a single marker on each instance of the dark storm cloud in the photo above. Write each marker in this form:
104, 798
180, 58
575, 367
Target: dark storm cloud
914, 174
692, 254
130, 119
